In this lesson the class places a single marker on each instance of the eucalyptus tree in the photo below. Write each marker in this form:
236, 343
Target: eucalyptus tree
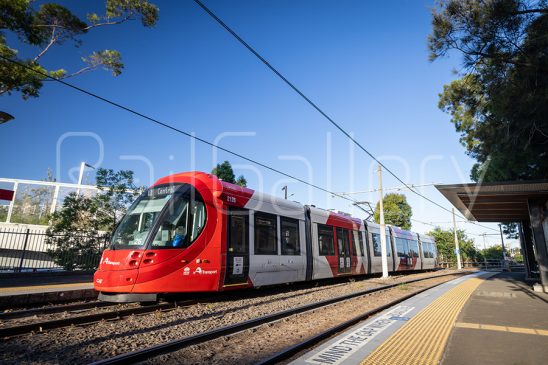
397, 211
499, 104
41, 28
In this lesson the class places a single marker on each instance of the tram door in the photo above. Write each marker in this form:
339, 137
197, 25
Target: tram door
237, 247
343, 245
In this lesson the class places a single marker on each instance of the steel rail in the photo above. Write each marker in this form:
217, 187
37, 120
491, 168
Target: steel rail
90, 318
178, 344
75, 307
54, 309
314, 340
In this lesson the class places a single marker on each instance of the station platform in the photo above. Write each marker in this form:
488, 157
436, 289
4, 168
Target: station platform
30, 288
487, 318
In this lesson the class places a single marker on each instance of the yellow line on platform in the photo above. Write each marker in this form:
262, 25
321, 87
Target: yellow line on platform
490, 327
39, 287
421, 341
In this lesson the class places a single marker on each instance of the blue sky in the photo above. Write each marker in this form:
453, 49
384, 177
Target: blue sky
364, 62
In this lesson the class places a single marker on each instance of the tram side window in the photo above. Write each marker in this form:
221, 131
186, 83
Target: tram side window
265, 234
426, 250
342, 242
357, 235
360, 242
340, 245
413, 248
376, 238
325, 240
376, 241
290, 236
238, 232
353, 240
401, 247
429, 250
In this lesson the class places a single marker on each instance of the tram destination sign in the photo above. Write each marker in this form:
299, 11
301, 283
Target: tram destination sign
161, 191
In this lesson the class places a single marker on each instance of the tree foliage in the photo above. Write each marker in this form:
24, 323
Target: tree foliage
75, 232
78, 228
53, 24
397, 211
32, 203
3, 213
445, 242
515, 254
118, 191
492, 253
500, 103
511, 230
225, 172
241, 180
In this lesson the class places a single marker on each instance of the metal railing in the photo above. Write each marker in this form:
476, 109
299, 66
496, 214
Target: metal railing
29, 250
493, 265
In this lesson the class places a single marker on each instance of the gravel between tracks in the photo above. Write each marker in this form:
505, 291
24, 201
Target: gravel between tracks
276, 336
84, 344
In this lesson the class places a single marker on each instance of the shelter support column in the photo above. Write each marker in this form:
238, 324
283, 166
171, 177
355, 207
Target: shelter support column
526, 241
538, 212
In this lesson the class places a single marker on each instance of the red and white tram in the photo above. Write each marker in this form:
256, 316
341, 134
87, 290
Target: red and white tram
192, 232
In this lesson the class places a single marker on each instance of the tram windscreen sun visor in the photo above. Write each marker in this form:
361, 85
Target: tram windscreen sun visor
180, 209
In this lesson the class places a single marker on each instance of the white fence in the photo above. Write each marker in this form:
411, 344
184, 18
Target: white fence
24, 248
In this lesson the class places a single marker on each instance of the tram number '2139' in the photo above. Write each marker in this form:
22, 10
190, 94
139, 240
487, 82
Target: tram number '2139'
231, 199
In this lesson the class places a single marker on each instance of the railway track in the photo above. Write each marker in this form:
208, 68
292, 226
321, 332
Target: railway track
181, 343
310, 342
54, 309
120, 312
39, 326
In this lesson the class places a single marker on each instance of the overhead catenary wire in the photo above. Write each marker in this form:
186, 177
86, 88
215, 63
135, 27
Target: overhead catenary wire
192, 136
175, 129
438, 224
397, 188
163, 124
316, 107
231, 152
451, 228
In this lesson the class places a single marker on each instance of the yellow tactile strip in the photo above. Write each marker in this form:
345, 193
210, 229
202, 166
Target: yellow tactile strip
422, 340
40, 287
490, 327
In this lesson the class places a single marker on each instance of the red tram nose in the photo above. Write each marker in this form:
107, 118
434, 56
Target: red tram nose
118, 270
